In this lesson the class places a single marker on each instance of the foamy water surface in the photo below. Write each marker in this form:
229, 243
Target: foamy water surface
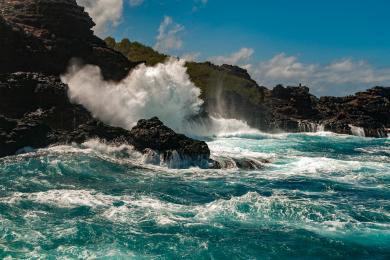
321, 196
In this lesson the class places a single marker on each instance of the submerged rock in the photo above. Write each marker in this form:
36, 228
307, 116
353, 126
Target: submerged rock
239, 163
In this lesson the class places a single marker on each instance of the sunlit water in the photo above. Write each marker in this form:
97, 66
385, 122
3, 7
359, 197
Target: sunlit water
322, 196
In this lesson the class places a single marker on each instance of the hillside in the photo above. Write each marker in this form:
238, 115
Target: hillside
227, 90
136, 51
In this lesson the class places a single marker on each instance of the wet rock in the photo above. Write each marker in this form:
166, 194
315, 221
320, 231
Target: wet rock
175, 148
239, 163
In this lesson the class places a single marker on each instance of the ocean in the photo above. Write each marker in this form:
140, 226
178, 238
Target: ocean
318, 196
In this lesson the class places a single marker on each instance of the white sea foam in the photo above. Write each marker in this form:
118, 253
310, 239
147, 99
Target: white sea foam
357, 131
281, 208
220, 127
61, 198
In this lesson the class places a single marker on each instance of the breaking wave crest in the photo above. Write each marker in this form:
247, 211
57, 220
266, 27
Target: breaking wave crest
250, 209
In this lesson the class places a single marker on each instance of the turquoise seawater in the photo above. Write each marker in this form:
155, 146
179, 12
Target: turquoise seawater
322, 196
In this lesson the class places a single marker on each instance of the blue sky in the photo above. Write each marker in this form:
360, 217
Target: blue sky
336, 47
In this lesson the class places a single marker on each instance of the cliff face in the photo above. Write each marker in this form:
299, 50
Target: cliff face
44, 35
43, 18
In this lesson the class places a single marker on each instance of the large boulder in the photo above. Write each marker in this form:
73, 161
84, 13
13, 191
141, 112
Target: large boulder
175, 149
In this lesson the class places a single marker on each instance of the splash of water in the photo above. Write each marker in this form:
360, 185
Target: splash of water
311, 127
357, 131
219, 127
164, 90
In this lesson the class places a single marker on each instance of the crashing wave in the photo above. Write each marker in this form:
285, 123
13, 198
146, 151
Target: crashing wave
164, 90
357, 131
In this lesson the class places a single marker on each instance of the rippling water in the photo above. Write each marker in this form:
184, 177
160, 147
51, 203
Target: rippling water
321, 196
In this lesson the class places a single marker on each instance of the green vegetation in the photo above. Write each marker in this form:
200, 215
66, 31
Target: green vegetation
136, 51
214, 80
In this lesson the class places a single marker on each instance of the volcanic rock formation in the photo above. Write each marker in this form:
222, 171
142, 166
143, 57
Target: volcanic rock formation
44, 35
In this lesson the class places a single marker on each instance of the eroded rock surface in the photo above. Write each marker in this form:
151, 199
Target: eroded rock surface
44, 35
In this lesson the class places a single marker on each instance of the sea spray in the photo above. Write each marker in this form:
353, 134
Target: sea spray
357, 131
218, 127
164, 90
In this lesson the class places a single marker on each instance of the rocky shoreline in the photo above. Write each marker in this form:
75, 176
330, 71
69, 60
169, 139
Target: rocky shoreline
35, 111
296, 110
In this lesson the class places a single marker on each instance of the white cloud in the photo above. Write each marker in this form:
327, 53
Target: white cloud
168, 35
193, 56
282, 67
104, 13
340, 77
135, 3
236, 58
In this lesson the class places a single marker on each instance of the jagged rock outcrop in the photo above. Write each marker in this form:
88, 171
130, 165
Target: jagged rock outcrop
35, 112
44, 35
369, 110
295, 109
